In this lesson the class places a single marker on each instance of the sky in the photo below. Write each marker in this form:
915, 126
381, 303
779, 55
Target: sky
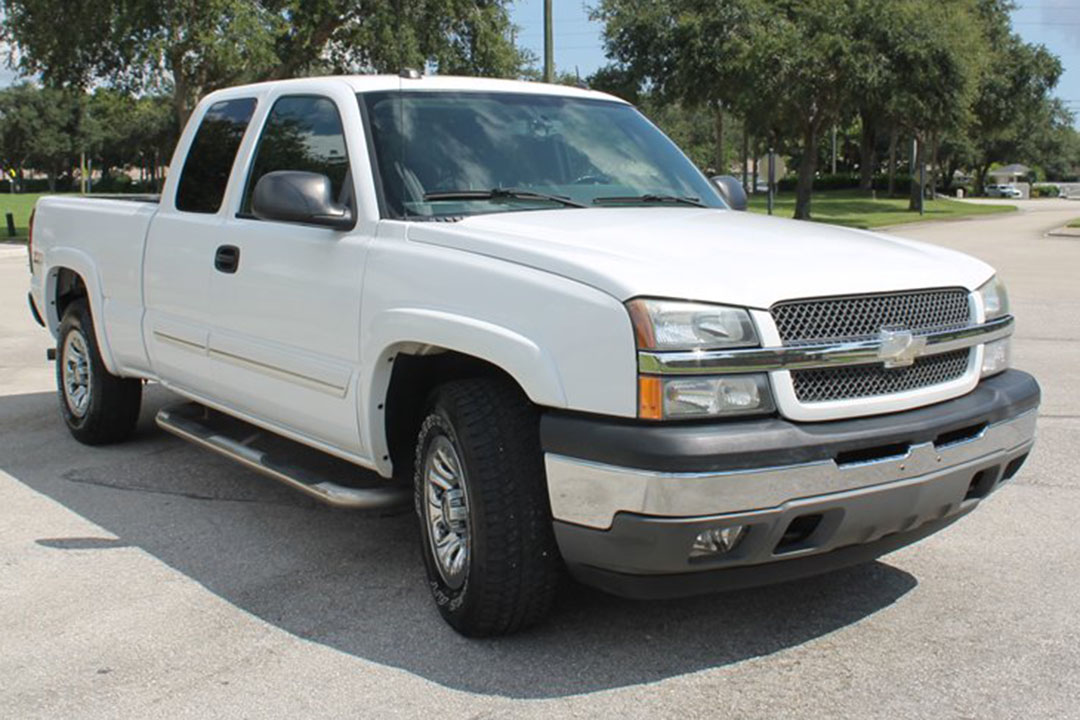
1053, 23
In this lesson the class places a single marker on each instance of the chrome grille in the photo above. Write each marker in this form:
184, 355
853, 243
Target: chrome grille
860, 381
863, 317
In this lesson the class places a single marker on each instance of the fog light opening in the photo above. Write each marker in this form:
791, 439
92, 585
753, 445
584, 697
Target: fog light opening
798, 532
718, 541
981, 484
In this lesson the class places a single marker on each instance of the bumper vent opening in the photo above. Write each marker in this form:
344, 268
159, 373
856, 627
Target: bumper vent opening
872, 454
1013, 467
981, 483
797, 533
955, 437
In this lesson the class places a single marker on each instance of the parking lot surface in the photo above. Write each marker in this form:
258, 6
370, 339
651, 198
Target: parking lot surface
153, 579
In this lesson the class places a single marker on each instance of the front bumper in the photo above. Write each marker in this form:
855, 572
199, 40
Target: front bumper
629, 499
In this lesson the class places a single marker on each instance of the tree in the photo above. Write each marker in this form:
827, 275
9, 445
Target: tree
692, 52
37, 126
1012, 104
804, 54
193, 47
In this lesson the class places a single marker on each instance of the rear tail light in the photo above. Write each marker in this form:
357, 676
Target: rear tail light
30, 240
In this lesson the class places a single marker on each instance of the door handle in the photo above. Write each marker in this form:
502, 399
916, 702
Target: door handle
227, 259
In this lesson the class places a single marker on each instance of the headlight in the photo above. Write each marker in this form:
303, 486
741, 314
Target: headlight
995, 299
677, 325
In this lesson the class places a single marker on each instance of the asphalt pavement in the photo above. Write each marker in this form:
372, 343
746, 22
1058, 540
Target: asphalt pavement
153, 579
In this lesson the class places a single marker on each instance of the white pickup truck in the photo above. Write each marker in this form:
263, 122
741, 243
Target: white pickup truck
521, 308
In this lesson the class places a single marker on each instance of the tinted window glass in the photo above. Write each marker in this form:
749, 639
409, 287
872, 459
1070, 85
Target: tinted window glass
210, 159
589, 151
302, 133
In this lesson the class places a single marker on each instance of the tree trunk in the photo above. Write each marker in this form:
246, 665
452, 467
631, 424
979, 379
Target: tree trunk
753, 188
807, 166
916, 195
894, 138
980, 178
719, 152
866, 155
182, 88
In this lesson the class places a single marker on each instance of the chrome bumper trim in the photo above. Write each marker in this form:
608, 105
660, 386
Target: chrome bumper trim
799, 357
591, 494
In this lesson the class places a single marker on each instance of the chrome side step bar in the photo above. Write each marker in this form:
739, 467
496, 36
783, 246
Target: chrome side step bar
328, 479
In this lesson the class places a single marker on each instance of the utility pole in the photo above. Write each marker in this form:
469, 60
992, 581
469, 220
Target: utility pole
549, 54
746, 158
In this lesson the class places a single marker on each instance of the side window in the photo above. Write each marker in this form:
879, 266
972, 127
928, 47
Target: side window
302, 132
211, 155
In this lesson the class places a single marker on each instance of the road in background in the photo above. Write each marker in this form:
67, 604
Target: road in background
154, 579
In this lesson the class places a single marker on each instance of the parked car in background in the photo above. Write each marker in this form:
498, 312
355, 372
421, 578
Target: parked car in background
1004, 191
521, 309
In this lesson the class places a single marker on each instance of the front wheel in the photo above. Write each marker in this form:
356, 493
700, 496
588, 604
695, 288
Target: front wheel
97, 406
485, 519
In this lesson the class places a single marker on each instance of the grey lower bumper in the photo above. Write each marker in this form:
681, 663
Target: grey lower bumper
878, 494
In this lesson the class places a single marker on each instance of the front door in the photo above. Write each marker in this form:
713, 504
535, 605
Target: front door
284, 344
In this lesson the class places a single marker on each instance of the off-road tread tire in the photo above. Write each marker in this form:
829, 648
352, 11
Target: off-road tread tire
114, 401
515, 568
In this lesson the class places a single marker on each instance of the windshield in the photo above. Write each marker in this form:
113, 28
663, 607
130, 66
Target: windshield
442, 154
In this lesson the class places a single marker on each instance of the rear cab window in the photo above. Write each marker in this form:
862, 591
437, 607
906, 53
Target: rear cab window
210, 158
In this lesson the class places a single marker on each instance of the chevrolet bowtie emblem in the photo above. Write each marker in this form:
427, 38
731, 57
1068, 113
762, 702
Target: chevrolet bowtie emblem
899, 348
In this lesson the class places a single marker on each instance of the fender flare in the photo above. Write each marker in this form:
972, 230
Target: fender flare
409, 330
80, 263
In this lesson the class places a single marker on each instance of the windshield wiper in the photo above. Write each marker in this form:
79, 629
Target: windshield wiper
501, 194
631, 199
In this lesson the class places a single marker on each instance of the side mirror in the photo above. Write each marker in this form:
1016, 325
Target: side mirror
302, 197
731, 190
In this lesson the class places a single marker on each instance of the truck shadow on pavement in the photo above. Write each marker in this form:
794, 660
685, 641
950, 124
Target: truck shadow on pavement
355, 583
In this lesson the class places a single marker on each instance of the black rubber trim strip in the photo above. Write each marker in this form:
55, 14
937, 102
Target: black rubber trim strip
34, 310
771, 442
664, 586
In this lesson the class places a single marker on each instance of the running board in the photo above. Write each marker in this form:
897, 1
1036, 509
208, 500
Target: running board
326, 478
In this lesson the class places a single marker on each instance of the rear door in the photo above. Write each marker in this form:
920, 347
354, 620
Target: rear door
180, 246
284, 342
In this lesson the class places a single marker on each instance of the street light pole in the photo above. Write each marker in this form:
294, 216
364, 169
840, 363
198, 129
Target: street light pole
549, 55
772, 178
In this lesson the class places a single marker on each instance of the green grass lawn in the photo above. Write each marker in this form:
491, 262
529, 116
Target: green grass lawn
854, 209
1075, 223
844, 207
20, 205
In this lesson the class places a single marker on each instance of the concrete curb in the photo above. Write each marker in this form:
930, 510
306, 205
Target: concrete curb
1066, 232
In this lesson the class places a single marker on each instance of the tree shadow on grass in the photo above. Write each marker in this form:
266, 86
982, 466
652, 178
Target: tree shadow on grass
355, 583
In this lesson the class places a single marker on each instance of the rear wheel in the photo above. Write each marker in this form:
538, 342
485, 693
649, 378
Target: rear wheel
97, 406
485, 519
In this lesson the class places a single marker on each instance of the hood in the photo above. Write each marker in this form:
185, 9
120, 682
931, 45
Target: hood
721, 256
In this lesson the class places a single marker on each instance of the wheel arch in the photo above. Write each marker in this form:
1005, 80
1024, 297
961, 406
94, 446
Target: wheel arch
71, 274
429, 349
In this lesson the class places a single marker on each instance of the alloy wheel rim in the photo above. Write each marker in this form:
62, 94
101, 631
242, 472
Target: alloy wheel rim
446, 511
75, 371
